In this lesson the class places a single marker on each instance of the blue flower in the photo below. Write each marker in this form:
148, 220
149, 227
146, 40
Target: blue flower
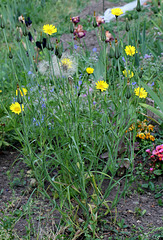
94, 49
123, 59
152, 84
43, 105
75, 46
52, 90
133, 83
80, 83
29, 73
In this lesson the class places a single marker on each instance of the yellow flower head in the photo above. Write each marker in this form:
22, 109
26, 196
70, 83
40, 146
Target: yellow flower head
130, 50
49, 29
23, 92
150, 127
0, 91
116, 11
142, 135
140, 92
101, 85
152, 138
16, 108
89, 70
129, 74
66, 64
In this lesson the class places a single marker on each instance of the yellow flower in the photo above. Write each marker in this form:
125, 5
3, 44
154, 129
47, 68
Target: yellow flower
150, 127
128, 74
89, 70
152, 138
66, 64
0, 91
140, 92
130, 50
16, 108
116, 11
49, 29
142, 135
101, 85
23, 92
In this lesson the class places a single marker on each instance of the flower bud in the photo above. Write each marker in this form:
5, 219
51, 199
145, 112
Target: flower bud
103, 36
2, 24
18, 37
138, 7
94, 21
25, 33
10, 53
141, 73
111, 53
127, 25
117, 53
128, 93
19, 97
71, 27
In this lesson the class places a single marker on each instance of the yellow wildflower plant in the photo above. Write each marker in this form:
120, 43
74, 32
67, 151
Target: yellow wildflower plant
49, 29
23, 92
130, 50
102, 85
89, 70
117, 11
140, 92
16, 108
128, 73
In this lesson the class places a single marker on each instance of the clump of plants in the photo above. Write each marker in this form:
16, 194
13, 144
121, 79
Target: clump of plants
69, 108
156, 160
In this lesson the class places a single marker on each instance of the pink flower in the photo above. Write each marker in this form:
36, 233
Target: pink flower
151, 169
99, 20
109, 36
79, 32
148, 151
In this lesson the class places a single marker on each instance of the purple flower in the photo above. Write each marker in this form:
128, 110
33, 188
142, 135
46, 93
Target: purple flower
152, 84
94, 103
94, 49
80, 83
146, 56
80, 76
29, 73
90, 89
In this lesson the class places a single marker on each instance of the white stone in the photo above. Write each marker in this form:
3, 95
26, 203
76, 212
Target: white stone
128, 7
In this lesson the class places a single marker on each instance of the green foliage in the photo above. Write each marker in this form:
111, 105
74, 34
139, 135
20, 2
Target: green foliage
73, 135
